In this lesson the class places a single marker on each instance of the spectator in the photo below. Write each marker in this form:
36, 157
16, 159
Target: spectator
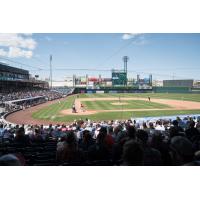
9, 160
21, 138
133, 153
181, 150
68, 150
192, 132
152, 157
100, 150
87, 141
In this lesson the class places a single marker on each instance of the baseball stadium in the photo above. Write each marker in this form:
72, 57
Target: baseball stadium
111, 119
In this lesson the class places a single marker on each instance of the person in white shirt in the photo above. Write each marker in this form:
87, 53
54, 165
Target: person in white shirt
159, 126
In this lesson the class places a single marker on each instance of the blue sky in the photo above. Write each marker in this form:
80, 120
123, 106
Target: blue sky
166, 56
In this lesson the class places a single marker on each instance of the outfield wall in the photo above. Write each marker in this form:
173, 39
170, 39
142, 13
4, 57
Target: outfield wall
171, 89
110, 90
176, 90
136, 90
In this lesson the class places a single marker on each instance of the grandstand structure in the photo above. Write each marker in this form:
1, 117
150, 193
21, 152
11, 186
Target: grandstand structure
12, 78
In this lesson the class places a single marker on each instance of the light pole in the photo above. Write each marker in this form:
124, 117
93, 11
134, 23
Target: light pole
125, 59
50, 71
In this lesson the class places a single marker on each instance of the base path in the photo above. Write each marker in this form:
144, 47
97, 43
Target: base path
25, 117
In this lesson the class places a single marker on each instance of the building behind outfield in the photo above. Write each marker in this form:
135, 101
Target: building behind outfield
12, 78
178, 83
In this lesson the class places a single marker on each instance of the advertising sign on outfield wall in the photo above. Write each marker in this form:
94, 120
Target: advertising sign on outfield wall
112, 91
100, 91
90, 92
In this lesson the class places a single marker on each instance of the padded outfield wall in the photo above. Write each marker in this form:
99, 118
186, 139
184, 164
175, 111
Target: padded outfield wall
136, 90
111, 90
175, 90
171, 89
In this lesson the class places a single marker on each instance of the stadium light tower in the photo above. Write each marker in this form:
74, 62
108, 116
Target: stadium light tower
125, 59
50, 59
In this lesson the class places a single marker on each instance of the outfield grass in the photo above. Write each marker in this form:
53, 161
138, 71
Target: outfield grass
125, 115
130, 104
52, 112
177, 96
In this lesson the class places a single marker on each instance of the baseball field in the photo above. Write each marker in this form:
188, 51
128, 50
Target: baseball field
109, 106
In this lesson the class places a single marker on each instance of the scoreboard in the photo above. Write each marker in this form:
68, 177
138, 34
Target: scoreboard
119, 78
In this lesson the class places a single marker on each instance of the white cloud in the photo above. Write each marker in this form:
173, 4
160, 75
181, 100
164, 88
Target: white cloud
137, 38
17, 52
17, 45
127, 36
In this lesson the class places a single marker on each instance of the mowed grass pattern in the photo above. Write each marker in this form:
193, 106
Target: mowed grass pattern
130, 104
52, 112
125, 115
176, 96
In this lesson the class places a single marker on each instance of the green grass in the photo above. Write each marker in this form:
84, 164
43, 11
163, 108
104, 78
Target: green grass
125, 115
52, 112
177, 96
131, 104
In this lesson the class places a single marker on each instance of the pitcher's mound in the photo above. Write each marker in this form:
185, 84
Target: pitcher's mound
69, 112
119, 104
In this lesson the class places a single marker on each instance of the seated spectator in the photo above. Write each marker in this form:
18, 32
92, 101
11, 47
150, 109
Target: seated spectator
110, 138
152, 157
176, 126
151, 129
119, 133
159, 126
192, 132
9, 160
198, 124
100, 150
68, 151
8, 136
181, 150
174, 131
133, 153
38, 136
87, 141
21, 138
157, 142
131, 132
1, 130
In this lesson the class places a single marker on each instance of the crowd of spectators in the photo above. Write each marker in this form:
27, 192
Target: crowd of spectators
83, 142
11, 101
51, 95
